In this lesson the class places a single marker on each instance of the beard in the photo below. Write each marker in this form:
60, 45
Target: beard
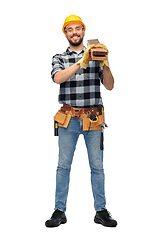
75, 43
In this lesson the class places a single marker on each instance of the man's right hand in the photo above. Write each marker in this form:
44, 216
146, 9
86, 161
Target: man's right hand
84, 61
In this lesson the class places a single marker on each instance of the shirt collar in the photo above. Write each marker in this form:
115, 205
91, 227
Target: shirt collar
71, 51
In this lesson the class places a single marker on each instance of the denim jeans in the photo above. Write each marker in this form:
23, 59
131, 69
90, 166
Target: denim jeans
67, 142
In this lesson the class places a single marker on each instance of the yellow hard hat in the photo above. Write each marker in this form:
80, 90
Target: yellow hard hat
72, 19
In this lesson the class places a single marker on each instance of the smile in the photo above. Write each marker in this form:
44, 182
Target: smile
75, 37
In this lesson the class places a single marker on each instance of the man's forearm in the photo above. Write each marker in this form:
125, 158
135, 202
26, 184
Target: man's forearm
108, 79
64, 75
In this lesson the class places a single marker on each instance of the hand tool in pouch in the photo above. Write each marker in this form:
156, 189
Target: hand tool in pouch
103, 124
55, 128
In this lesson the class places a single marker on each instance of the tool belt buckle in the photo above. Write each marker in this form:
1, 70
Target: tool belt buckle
76, 113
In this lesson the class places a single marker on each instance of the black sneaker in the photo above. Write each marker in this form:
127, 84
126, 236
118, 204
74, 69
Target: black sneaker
58, 217
104, 217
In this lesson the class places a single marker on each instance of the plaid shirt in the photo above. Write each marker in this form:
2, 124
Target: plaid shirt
83, 89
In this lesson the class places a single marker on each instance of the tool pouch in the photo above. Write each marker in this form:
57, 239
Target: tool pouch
63, 119
87, 124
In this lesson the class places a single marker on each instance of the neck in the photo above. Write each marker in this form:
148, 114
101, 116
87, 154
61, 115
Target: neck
77, 48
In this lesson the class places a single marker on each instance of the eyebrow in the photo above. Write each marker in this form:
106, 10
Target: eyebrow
75, 27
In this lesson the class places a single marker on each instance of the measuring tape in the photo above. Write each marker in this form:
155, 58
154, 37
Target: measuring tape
93, 118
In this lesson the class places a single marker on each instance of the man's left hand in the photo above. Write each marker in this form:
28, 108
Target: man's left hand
105, 62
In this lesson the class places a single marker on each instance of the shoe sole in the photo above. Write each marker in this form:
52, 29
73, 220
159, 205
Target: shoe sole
99, 221
63, 221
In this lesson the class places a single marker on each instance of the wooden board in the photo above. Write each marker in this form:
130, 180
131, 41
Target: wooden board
97, 53
93, 41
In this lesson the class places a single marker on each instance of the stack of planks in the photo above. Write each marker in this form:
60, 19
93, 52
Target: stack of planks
97, 53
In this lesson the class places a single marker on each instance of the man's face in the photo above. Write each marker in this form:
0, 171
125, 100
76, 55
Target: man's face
75, 34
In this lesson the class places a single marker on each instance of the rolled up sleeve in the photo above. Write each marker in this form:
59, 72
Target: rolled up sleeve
57, 65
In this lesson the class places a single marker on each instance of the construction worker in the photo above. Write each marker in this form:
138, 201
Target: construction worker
79, 78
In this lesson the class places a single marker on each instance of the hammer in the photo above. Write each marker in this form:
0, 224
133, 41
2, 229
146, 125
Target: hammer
103, 124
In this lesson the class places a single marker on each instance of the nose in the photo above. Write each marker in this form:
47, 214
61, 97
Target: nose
74, 31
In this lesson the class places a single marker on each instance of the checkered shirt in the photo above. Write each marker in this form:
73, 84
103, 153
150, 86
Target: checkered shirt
83, 89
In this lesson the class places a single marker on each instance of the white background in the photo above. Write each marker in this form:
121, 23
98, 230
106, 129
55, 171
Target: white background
31, 33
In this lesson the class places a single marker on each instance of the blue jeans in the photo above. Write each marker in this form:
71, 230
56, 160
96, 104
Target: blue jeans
67, 142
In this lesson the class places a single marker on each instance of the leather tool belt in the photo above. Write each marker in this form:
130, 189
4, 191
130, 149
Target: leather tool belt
64, 115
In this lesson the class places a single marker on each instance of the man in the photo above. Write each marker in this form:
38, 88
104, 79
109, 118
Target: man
82, 113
